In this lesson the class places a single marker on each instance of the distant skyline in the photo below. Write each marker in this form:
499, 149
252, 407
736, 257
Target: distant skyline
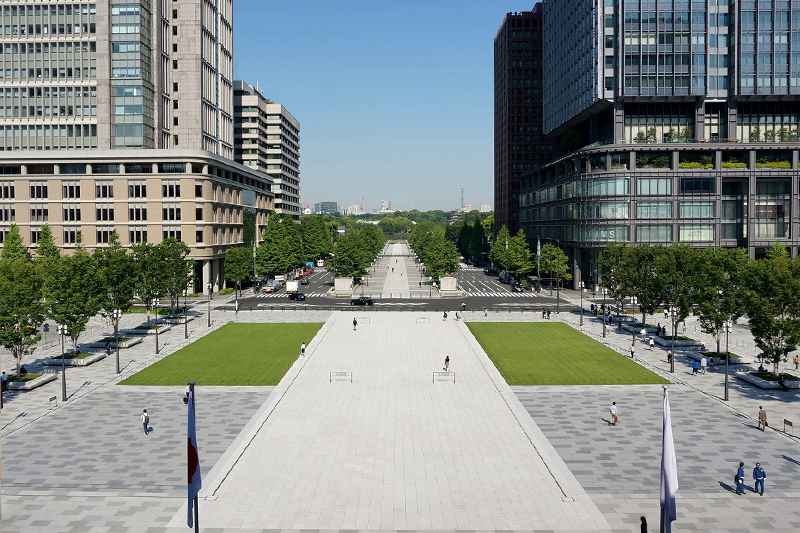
395, 100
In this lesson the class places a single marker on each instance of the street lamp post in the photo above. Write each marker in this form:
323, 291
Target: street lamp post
605, 291
728, 326
62, 331
594, 282
117, 316
673, 316
581, 304
185, 315
210, 287
155, 304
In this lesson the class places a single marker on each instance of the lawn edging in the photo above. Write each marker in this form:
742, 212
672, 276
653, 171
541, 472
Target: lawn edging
32, 384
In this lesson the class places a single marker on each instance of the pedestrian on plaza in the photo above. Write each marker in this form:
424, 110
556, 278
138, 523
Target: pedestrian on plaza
613, 412
544, 313
759, 475
447, 363
355, 324
548, 314
145, 421
796, 362
782, 382
760, 355
695, 367
3, 381
303, 349
485, 311
703, 364
186, 392
643, 333
444, 317
669, 356
457, 317
740, 479
762, 418
463, 306
602, 309
666, 314
644, 524
652, 344
711, 362
108, 348
632, 350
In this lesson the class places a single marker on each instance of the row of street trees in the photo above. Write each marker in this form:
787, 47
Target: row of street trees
437, 253
723, 283
513, 253
356, 251
71, 289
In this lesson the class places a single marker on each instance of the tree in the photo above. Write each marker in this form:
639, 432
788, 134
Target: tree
281, 249
613, 273
177, 270
46, 248
150, 280
238, 266
21, 306
316, 235
73, 292
116, 273
642, 279
499, 252
351, 256
555, 262
719, 291
12, 246
677, 272
772, 301
519, 256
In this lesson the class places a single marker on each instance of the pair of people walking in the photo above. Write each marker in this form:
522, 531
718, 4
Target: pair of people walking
759, 476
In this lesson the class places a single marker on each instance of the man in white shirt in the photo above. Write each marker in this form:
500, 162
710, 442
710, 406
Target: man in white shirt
145, 421
303, 349
613, 411
703, 364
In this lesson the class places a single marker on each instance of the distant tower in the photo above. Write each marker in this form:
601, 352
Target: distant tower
462, 198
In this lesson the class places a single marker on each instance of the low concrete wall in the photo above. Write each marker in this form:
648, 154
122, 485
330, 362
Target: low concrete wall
342, 287
32, 384
764, 384
76, 362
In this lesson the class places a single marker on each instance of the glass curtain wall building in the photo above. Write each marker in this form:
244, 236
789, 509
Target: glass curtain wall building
674, 121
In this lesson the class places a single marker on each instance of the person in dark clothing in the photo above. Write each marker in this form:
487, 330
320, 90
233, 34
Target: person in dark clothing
355, 324
740, 479
644, 524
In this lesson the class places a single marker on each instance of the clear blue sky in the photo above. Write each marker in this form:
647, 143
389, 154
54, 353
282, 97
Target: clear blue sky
394, 98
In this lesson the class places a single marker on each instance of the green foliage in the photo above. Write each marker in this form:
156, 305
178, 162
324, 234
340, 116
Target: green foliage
555, 263
223, 292
116, 274
357, 250
733, 164
573, 140
520, 258
46, 248
755, 134
281, 249
559, 355
774, 164
12, 247
246, 358
437, 253
612, 275
694, 164
392, 225
150, 281
238, 265
719, 290
21, 306
772, 301
777, 251
248, 227
641, 279
177, 270
73, 292
498, 254
317, 237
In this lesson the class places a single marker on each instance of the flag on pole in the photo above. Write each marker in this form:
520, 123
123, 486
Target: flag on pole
669, 471
193, 460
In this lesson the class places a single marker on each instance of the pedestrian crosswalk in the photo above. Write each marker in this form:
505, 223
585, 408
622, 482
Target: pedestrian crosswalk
501, 294
286, 296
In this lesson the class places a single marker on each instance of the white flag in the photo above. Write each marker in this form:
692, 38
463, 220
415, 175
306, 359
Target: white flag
669, 470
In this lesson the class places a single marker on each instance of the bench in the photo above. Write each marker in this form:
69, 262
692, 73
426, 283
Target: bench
445, 375
344, 375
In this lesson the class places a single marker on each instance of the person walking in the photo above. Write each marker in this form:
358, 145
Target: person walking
740, 479
632, 350
108, 348
762, 418
444, 317
485, 311
643, 333
303, 349
145, 421
695, 367
447, 363
3, 381
669, 356
703, 364
796, 362
759, 475
644, 524
355, 324
614, 417
652, 344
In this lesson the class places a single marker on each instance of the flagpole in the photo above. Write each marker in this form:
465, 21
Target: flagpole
196, 507
194, 486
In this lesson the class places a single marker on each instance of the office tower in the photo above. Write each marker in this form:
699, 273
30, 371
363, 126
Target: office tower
326, 208
118, 116
674, 121
518, 142
268, 140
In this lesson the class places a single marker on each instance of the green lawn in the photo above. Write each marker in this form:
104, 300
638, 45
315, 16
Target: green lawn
528, 353
235, 354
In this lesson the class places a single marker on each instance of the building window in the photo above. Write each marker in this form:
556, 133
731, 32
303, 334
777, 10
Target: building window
138, 234
198, 212
198, 190
137, 212
652, 186
175, 49
71, 235
104, 189
105, 212
7, 213
171, 189
655, 233
39, 213
174, 64
171, 168
706, 209
38, 190
7, 190
138, 169
174, 104
171, 212
175, 140
198, 236
35, 234
698, 185
697, 232
654, 210
104, 235
72, 213
105, 169
71, 189
137, 189
174, 30
171, 233
174, 121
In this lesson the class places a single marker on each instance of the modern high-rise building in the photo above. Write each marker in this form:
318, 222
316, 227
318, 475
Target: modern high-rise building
326, 208
519, 145
674, 121
118, 116
268, 140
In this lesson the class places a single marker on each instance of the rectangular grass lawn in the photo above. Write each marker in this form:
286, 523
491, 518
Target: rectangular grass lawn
235, 354
531, 353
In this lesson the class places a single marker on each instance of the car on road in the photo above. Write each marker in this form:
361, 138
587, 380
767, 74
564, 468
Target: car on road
299, 296
362, 300
303, 281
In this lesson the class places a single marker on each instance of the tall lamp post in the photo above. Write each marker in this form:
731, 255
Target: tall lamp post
62, 331
185, 315
581, 303
155, 304
673, 317
210, 287
605, 291
728, 326
117, 314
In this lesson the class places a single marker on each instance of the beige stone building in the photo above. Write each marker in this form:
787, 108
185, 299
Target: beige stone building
118, 115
